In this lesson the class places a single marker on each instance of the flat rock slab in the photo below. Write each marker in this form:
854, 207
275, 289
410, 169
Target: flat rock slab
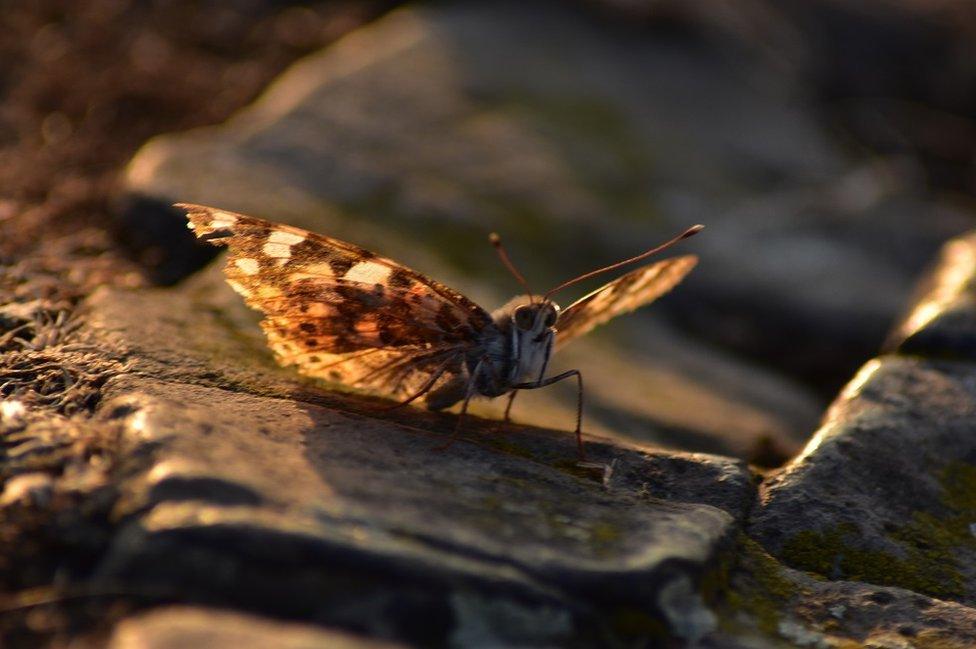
246, 486
885, 492
180, 627
581, 144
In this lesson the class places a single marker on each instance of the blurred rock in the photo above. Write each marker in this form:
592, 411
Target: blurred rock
942, 321
582, 143
897, 75
182, 627
884, 492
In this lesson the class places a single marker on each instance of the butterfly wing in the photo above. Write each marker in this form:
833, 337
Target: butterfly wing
340, 312
622, 295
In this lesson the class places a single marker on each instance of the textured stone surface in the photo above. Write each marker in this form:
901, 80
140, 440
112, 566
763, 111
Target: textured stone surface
181, 627
942, 322
884, 492
245, 485
771, 601
527, 120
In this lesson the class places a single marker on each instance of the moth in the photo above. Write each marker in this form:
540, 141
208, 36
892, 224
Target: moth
344, 314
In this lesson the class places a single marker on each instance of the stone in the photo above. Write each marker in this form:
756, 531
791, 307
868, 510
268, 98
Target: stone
766, 600
527, 121
244, 484
883, 493
942, 321
178, 627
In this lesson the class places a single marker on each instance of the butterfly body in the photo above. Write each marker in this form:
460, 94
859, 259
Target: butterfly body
514, 351
344, 314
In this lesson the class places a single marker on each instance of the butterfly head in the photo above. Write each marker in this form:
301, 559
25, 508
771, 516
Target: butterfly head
532, 328
535, 319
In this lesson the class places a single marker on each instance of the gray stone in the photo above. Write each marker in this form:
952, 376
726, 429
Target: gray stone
581, 143
942, 321
883, 493
770, 602
180, 627
243, 484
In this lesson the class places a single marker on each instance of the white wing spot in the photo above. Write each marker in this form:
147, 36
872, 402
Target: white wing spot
238, 288
221, 220
312, 271
248, 266
285, 237
368, 272
277, 250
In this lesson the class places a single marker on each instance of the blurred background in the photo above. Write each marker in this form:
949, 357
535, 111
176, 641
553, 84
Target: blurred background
828, 146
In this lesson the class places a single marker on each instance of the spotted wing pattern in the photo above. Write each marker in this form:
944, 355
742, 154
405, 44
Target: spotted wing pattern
624, 294
340, 312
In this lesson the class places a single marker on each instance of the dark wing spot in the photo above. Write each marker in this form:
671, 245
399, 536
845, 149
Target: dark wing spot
340, 265
222, 233
388, 335
446, 318
307, 327
400, 279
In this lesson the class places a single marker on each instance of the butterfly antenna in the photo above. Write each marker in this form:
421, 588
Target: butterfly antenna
693, 230
496, 241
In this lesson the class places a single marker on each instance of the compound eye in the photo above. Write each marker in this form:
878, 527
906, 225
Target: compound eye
524, 317
550, 317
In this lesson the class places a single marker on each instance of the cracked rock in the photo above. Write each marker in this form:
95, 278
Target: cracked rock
247, 485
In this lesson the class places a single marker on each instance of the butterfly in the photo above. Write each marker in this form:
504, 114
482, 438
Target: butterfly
342, 313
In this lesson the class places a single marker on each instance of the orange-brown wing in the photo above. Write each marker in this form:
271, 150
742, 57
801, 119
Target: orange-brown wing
338, 311
624, 294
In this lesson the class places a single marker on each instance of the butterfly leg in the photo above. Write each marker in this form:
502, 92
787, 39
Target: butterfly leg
426, 387
579, 401
508, 407
469, 392
538, 381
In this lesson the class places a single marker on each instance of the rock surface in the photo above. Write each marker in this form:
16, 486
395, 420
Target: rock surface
153, 453
942, 323
879, 508
245, 485
884, 491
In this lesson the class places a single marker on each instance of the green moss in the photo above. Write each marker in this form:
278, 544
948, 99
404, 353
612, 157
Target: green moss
930, 542
932, 639
603, 538
761, 589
